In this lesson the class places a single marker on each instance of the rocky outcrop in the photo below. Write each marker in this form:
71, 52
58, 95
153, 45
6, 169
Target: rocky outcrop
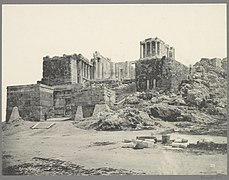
198, 106
207, 86
165, 112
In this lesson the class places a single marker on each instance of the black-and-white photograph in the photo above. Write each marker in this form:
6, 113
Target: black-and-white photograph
114, 89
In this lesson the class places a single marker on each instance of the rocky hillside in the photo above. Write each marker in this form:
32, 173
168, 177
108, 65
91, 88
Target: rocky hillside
207, 87
199, 107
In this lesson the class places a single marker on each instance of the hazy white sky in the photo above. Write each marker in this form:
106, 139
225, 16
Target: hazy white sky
31, 32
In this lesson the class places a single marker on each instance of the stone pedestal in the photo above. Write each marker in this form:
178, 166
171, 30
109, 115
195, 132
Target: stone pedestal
79, 113
14, 115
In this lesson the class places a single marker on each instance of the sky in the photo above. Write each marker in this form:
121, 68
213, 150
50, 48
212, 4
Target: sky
30, 32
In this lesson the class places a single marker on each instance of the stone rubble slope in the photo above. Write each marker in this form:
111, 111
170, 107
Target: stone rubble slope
199, 107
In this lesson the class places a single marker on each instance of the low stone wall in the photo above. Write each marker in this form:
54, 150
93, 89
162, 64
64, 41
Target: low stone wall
92, 96
89, 98
33, 101
63, 99
179, 72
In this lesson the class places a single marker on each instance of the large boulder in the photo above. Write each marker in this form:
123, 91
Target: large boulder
165, 112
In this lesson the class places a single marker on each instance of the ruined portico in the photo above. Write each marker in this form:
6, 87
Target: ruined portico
104, 68
155, 48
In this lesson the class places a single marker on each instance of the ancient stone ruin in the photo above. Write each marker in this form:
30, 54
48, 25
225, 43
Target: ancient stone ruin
160, 74
155, 48
157, 68
69, 86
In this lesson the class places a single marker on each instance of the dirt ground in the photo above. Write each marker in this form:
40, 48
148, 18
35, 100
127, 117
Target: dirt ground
68, 144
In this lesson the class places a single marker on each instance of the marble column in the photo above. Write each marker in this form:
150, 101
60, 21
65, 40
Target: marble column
91, 72
156, 48
154, 83
140, 50
88, 71
85, 68
102, 72
80, 71
150, 48
145, 49
98, 69
94, 70
147, 84
159, 49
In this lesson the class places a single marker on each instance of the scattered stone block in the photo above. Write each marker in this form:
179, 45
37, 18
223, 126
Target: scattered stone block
140, 145
179, 145
180, 140
165, 139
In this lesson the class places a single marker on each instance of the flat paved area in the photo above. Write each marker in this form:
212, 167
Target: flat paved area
66, 142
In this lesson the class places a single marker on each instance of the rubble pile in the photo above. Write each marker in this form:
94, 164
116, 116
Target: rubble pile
209, 146
207, 87
178, 143
198, 107
124, 90
123, 119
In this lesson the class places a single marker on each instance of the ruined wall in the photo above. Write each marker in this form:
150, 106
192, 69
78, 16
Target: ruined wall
206, 64
92, 96
132, 71
160, 74
178, 72
107, 68
163, 49
46, 101
62, 97
149, 75
122, 70
224, 64
68, 69
58, 70
171, 53
33, 101
89, 97
216, 62
104, 68
125, 70
62, 103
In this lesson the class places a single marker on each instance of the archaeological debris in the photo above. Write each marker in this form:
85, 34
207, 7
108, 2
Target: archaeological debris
53, 167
